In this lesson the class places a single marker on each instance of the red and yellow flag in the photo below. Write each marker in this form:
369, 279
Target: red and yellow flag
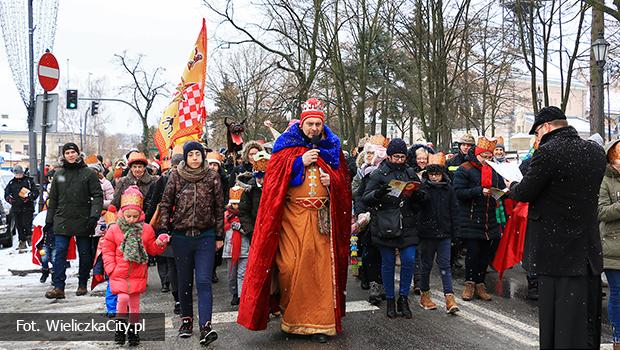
185, 116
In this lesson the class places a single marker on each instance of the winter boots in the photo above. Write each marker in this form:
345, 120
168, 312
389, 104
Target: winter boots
81, 291
468, 292
119, 334
481, 292
207, 334
22, 245
376, 293
426, 302
133, 336
44, 275
55, 293
235, 300
391, 308
177, 308
402, 307
451, 306
187, 327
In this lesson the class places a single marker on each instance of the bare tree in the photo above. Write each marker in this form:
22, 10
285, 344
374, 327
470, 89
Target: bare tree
144, 87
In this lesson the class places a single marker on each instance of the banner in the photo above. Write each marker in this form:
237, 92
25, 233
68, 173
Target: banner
185, 116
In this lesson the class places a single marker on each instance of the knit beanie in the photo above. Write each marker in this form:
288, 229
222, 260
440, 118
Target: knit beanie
193, 146
70, 145
176, 159
396, 146
18, 169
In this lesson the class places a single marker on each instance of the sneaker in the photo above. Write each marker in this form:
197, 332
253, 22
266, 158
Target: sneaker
207, 334
55, 293
177, 308
187, 327
426, 302
451, 306
81, 291
235, 300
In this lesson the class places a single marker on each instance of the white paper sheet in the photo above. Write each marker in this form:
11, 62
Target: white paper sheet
509, 171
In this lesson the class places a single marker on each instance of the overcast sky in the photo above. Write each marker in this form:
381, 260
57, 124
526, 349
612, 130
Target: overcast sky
89, 33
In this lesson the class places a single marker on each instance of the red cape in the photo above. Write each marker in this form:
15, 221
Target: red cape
255, 302
510, 248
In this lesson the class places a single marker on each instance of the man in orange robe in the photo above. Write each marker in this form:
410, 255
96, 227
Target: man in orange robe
300, 244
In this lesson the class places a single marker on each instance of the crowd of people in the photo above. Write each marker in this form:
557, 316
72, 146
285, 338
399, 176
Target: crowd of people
285, 220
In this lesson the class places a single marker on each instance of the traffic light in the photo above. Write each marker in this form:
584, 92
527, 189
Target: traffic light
94, 108
72, 99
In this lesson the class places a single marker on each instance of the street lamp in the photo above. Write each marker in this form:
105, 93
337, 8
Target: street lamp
600, 48
539, 97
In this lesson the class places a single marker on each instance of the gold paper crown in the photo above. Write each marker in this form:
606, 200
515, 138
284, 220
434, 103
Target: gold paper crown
261, 159
438, 159
487, 144
92, 159
131, 199
234, 194
215, 156
379, 140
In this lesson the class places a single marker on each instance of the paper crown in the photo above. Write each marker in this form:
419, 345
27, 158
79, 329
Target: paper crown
215, 157
92, 159
132, 198
486, 144
437, 159
261, 159
313, 108
234, 194
379, 140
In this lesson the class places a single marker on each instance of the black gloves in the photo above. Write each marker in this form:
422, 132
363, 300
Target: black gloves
47, 229
382, 191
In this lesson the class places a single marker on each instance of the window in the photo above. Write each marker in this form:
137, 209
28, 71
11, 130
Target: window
8, 148
26, 149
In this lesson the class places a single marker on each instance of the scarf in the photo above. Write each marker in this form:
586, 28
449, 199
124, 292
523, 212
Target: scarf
235, 253
132, 247
486, 178
192, 175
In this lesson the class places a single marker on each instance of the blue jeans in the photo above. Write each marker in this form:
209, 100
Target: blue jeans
427, 250
195, 256
613, 305
388, 268
84, 248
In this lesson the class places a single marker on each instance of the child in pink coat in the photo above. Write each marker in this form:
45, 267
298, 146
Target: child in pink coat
125, 249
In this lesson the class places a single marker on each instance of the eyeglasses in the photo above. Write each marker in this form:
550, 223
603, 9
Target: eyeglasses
538, 128
399, 157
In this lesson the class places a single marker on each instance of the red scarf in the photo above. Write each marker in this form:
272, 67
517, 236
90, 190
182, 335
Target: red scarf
486, 178
236, 237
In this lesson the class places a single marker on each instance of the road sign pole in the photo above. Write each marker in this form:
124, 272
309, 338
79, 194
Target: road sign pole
43, 149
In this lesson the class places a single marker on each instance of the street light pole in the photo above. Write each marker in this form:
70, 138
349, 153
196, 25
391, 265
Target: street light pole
539, 98
600, 48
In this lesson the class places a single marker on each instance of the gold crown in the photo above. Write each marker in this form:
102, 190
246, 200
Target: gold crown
487, 144
261, 159
234, 194
379, 140
215, 157
131, 199
438, 159
92, 159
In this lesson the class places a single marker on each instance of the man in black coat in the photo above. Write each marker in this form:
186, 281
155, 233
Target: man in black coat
561, 187
75, 204
21, 192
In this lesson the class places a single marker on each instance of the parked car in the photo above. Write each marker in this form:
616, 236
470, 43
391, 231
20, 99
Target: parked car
7, 230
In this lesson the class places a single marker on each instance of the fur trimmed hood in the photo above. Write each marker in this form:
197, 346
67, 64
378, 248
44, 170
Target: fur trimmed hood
248, 146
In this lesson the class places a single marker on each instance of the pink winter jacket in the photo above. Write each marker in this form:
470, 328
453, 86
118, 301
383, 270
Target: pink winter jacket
127, 276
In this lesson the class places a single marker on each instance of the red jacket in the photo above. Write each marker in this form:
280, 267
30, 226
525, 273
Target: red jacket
127, 276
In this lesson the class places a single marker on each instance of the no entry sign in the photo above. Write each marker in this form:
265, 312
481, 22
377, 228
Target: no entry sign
48, 72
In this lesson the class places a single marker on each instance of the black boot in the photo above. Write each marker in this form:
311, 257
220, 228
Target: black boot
177, 308
235, 300
402, 307
119, 334
391, 308
133, 338
207, 334
44, 275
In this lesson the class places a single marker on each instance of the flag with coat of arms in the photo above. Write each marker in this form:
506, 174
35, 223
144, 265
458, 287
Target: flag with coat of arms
185, 116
